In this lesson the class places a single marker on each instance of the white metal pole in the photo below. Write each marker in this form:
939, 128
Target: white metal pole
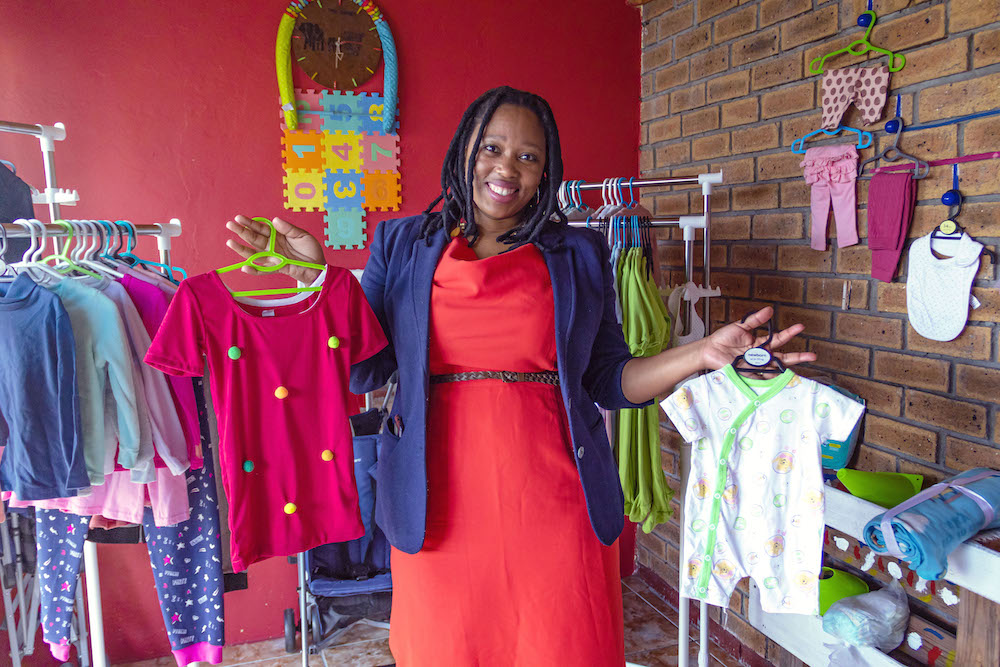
703, 630
94, 607
300, 563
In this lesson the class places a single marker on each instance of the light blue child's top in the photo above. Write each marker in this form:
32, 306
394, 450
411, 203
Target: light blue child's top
102, 362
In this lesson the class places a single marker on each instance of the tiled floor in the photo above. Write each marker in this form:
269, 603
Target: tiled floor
651, 630
650, 641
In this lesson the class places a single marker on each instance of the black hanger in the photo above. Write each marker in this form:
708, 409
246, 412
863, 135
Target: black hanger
949, 229
758, 358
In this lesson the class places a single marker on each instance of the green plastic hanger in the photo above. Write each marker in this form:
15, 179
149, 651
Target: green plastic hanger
282, 262
66, 264
860, 47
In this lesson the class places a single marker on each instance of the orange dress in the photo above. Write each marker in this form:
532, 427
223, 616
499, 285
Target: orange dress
511, 572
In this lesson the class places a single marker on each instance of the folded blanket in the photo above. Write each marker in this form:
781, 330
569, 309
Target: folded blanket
928, 526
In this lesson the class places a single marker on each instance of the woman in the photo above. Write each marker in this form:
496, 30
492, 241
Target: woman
499, 493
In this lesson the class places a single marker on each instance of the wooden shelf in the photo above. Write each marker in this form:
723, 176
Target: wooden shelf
804, 635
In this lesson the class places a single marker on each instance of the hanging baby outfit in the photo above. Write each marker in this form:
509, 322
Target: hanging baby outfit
285, 443
754, 505
938, 290
865, 87
831, 171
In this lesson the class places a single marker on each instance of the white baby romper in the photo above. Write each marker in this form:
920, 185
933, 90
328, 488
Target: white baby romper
937, 290
754, 503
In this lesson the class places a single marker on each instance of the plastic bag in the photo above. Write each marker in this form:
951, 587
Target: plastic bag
876, 619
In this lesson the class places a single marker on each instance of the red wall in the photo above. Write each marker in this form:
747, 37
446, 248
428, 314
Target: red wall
171, 111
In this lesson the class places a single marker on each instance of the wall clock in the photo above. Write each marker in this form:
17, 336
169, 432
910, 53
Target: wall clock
336, 44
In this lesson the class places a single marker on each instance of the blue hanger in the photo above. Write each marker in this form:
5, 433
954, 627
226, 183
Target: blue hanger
864, 138
168, 271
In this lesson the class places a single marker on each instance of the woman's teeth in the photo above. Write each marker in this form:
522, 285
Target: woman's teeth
503, 192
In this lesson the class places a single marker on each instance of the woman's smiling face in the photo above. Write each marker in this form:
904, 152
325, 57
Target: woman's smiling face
508, 167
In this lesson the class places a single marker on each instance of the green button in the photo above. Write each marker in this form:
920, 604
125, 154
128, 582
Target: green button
248, 466
333, 342
234, 353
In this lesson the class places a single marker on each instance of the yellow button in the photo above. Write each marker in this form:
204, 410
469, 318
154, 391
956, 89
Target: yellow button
290, 508
333, 342
327, 455
281, 392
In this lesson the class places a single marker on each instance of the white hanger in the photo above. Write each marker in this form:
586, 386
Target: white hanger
6, 273
88, 258
28, 260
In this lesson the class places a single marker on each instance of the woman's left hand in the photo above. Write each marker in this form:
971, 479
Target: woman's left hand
732, 340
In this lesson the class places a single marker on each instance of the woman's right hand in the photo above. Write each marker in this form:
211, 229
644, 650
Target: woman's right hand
290, 241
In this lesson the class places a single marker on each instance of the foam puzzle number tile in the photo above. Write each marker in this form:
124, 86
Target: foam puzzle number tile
344, 189
342, 151
381, 191
310, 107
345, 229
302, 150
305, 191
340, 111
380, 152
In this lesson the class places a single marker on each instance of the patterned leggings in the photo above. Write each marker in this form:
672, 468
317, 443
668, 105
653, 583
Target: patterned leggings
187, 566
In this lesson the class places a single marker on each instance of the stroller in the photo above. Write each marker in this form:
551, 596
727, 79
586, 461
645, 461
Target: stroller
345, 583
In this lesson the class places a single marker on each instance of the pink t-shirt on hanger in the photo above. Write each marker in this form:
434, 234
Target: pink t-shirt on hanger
279, 377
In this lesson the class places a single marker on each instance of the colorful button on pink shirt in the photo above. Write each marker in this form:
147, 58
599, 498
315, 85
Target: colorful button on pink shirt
280, 393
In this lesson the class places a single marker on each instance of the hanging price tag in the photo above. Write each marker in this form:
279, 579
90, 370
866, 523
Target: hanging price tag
757, 356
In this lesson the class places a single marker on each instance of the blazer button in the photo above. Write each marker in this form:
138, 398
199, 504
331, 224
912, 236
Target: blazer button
579, 453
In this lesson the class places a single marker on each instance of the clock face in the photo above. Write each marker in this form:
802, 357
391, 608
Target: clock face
336, 44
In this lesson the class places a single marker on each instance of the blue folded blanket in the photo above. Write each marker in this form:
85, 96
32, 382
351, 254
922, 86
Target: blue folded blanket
930, 525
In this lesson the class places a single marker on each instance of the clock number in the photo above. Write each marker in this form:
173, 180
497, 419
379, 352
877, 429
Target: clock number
302, 150
343, 151
342, 192
380, 151
305, 191
375, 111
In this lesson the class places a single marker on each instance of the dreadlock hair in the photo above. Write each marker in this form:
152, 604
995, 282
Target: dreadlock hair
457, 173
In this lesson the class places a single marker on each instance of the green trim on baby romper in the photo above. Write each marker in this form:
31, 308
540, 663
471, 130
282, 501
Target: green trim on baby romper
771, 387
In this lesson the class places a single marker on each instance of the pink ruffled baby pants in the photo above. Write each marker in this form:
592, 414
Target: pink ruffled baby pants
832, 172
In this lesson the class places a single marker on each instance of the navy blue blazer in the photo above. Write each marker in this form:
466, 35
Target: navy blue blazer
590, 351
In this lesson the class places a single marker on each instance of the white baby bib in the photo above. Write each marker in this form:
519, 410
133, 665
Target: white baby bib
937, 290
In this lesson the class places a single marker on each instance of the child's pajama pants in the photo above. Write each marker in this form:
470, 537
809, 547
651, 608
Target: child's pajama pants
891, 198
186, 560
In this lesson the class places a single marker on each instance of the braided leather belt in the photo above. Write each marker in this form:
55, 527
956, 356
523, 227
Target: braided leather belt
545, 377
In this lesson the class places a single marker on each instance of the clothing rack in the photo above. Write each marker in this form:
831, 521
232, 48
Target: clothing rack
47, 136
688, 223
163, 232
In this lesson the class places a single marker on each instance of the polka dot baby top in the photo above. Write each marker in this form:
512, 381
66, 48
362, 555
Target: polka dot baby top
279, 374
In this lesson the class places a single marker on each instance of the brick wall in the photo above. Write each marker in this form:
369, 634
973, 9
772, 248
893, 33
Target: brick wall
725, 86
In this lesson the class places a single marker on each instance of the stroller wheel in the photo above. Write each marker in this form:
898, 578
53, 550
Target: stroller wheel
317, 626
289, 631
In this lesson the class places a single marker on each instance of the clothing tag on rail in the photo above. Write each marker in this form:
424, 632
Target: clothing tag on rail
974, 302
